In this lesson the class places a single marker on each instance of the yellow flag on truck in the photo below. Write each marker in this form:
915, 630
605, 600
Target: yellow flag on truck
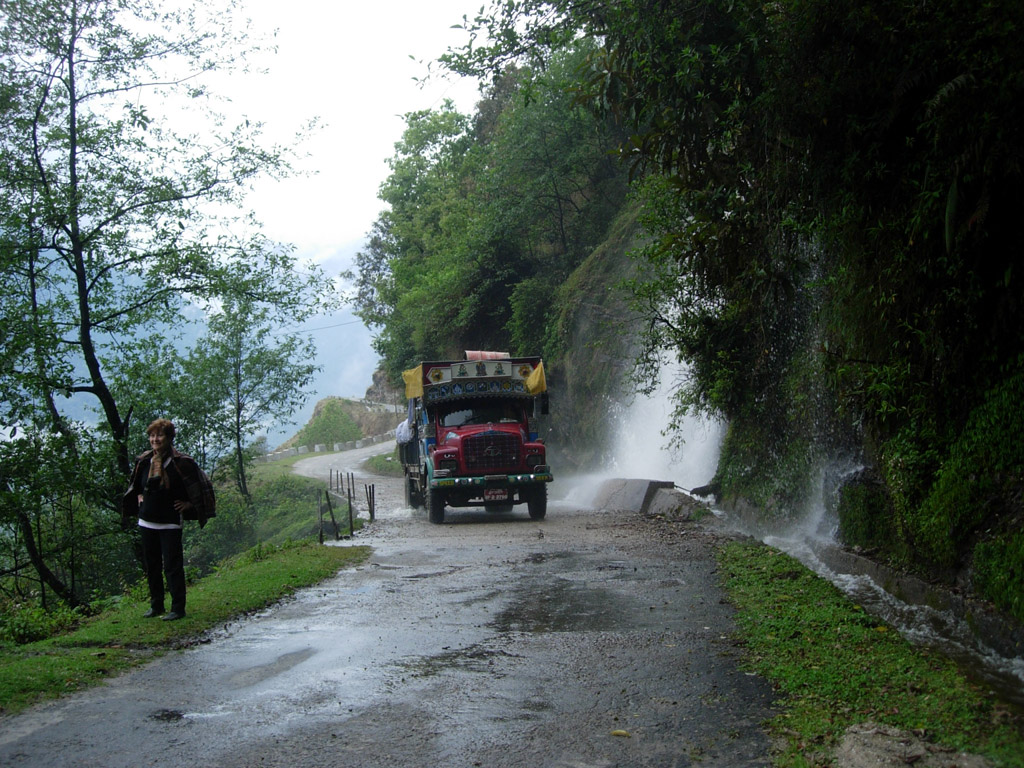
413, 379
535, 382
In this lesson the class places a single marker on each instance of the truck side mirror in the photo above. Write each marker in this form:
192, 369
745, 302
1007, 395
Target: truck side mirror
544, 407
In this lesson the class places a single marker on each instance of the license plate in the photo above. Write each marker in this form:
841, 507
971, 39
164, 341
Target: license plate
495, 494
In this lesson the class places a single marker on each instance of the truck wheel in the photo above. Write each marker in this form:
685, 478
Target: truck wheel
435, 506
537, 502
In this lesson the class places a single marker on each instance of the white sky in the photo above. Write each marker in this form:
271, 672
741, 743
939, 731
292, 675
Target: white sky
348, 63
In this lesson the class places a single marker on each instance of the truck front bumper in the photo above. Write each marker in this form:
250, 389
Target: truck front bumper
492, 481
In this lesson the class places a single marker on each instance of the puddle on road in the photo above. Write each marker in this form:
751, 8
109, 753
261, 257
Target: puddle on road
255, 675
537, 558
565, 606
167, 715
474, 658
571, 592
435, 574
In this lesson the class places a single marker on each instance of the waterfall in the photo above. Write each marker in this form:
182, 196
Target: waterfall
643, 448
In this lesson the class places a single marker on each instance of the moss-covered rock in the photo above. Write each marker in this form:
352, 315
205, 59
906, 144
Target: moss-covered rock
591, 346
998, 572
865, 515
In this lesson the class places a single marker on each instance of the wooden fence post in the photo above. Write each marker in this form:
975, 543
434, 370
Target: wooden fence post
320, 515
330, 509
371, 500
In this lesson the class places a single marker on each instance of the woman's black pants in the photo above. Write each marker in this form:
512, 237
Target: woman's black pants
162, 555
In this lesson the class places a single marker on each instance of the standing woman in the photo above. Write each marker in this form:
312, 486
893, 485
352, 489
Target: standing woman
165, 490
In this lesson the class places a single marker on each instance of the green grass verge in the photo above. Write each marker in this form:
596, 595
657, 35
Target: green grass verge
120, 638
836, 666
387, 464
278, 467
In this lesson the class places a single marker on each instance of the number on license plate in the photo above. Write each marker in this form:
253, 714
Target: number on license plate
495, 494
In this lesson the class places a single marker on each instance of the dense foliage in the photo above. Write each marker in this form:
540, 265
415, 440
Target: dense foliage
331, 423
828, 192
487, 219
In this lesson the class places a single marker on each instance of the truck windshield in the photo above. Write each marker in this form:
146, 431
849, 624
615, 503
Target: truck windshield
482, 413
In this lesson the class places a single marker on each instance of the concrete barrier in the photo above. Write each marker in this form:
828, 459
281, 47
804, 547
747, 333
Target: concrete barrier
322, 447
654, 498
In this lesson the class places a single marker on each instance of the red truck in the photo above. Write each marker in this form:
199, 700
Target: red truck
471, 437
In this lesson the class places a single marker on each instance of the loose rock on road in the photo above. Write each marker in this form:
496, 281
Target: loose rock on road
594, 638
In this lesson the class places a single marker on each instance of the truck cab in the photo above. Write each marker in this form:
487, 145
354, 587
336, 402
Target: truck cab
472, 436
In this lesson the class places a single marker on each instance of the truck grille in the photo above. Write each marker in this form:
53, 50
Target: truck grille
492, 450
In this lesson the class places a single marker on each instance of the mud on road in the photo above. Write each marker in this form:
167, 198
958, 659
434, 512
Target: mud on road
594, 638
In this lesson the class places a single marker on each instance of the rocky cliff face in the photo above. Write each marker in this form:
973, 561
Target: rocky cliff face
595, 344
380, 391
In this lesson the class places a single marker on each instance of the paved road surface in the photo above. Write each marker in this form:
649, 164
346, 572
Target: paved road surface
589, 640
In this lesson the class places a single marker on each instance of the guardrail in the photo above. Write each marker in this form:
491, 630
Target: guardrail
322, 448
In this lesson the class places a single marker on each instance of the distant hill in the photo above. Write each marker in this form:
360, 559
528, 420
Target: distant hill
338, 420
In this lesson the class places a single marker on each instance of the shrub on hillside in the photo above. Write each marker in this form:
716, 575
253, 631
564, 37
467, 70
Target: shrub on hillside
22, 623
330, 424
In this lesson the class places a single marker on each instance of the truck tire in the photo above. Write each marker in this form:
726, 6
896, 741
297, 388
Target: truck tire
537, 502
435, 506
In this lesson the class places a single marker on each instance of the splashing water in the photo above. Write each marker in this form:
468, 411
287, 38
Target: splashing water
923, 614
643, 447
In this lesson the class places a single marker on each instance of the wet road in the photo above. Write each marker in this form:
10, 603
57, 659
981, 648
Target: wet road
591, 639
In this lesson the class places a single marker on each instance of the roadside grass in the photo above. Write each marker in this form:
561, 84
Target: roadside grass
387, 464
278, 467
836, 666
291, 512
119, 638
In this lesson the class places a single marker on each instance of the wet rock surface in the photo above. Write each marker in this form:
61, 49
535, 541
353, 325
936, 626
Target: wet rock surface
593, 638
872, 744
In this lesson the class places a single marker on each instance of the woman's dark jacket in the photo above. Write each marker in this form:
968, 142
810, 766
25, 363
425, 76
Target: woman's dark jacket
186, 483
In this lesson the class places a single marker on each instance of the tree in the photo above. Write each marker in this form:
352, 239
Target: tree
122, 208
483, 225
247, 381
112, 217
411, 279
48, 517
